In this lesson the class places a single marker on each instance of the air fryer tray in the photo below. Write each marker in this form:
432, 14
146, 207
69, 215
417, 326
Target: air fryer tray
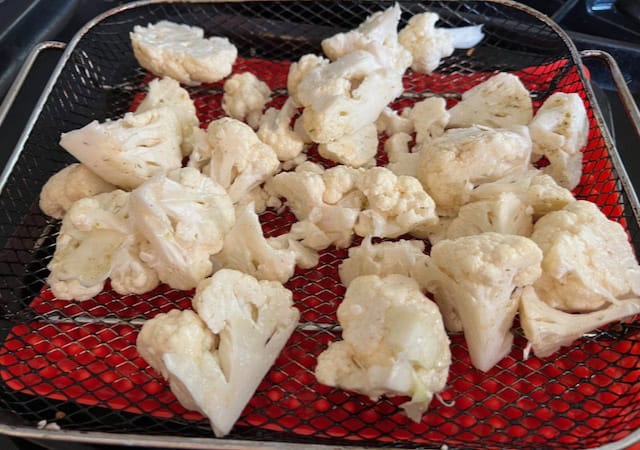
75, 363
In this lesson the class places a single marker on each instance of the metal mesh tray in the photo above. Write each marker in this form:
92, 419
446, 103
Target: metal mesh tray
76, 362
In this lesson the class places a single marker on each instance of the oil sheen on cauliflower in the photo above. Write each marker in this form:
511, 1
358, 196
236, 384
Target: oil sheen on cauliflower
182, 52
559, 130
393, 343
214, 360
381, 259
428, 44
588, 261
128, 151
476, 281
167, 92
234, 157
98, 240
69, 185
453, 164
498, 102
184, 216
547, 328
244, 98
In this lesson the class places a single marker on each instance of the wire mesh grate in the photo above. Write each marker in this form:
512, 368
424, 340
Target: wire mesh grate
76, 362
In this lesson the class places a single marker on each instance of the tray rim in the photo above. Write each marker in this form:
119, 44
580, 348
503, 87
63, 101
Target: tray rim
106, 438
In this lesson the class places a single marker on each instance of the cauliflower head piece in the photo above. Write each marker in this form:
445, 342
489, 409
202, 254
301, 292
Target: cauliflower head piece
381, 259
98, 240
69, 185
184, 216
394, 343
166, 92
548, 329
356, 150
395, 204
476, 281
182, 52
128, 151
235, 158
453, 164
391, 122
298, 70
244, 98
499, 102
588, 261
430, 118
277, 132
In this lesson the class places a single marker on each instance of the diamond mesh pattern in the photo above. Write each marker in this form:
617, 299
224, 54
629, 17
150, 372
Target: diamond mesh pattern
76, 362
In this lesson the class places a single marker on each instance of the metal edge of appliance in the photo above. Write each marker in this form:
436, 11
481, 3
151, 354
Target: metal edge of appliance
228, 444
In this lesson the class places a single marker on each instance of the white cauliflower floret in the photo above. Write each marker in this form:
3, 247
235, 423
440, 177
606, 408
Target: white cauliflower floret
478, 279
357, 149
244, 98
67, 186
98, 240
185, 217
215, 362
559, 130
395, 205
247, 250
235, 158
344, 96
430, 117
588, 261
393, 343
390, 122
298, 70
451, 165
505, 214
547, 329
128, 151
534, 188
167, 92
182, 52
498, 102
377, 34
381, 259
277, 132
401, 160
428, 44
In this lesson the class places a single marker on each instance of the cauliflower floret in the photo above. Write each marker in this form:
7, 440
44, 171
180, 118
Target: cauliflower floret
381, 259
215, 362
244, 98
401, 161
247, 250
451, 165
276, 131
357, 149
377, 34
185, 217
428, 44
298, 70
167, 92
505, 214
558, 131
97, 240
394, 343
390, 122
182, 52
548, 329
588, 261
69, 185
235, 158
498, 102
395, 205
534, 188
344, 96
128, 151
430, 117
478, 278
